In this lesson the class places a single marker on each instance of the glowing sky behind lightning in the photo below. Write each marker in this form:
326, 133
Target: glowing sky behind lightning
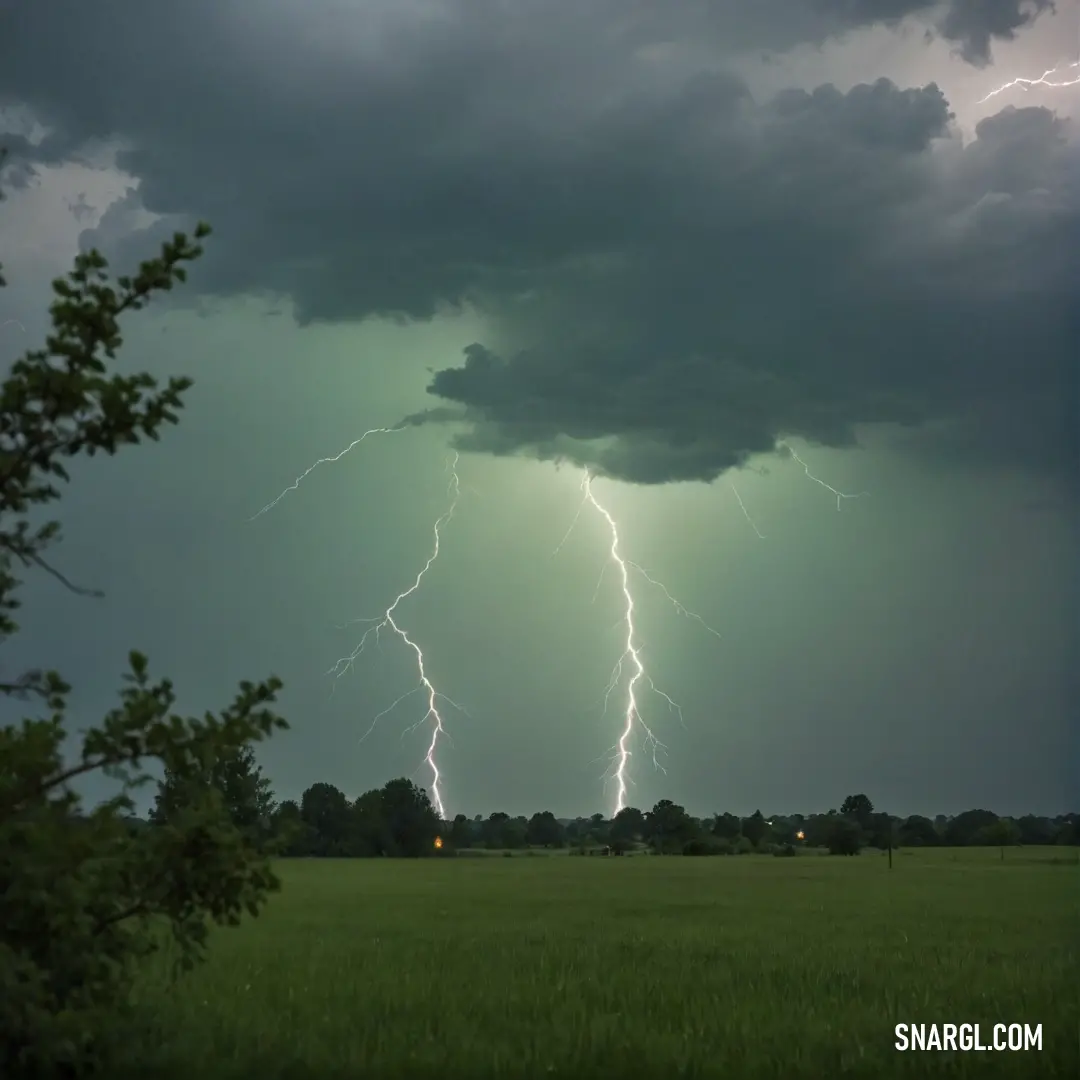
943, 607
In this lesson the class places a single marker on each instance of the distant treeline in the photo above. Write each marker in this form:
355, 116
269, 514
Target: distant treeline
399, 820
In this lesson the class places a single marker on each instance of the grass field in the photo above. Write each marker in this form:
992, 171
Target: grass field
640, 967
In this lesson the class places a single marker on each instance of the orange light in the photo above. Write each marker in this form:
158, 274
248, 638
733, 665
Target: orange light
438, 841
800, 835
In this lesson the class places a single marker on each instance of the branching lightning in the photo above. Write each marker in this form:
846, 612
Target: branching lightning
1045, 79
840, 495
631, 654
387, 621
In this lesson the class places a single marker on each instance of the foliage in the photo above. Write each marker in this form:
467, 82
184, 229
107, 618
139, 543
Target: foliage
544, 830
243, 789
845, 837
857, 808
1001, 834
669, 826
80, 892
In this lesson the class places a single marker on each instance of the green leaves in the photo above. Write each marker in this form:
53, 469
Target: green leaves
83, 896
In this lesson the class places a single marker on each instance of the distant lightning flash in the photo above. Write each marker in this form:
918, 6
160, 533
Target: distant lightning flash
631, 653
387, 620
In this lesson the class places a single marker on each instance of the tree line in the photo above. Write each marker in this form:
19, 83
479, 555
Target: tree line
400, 820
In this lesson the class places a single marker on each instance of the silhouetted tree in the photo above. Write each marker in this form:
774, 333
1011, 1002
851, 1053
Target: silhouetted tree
627, 825
727, 826
918, 831
755, 827
237, 777
411, 821
845, 837
1001, 834
669, 826
461, 833
858, 808
964, 828
544, 830
326, 812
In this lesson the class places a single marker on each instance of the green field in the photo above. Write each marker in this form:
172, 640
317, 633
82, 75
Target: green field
634, 967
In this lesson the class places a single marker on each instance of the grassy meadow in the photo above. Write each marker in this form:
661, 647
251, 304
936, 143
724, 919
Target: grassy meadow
633, 967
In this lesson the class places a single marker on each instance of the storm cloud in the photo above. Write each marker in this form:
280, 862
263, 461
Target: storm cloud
677, 274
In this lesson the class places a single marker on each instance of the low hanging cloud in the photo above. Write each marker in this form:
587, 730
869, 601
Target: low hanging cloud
676, 274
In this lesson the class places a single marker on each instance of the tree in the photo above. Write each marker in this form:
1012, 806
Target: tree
1001, 834
325, 811
727, 827
291, 836
411, 821
82, 895
544, 830
368, 833
1035, 830
857, 808
755, 827
845, 837
461, 834
918, 831
964, 828
669, 826
493, 830
627, 826
245, 792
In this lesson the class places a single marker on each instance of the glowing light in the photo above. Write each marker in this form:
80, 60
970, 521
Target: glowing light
1045, 79
621, 752
800, 835
438, 842
387, 620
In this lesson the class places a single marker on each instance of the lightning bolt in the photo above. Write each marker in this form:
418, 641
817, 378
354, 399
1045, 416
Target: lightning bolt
324, 461
840, 495
745, 512
631, 654
1045, 79
388, 621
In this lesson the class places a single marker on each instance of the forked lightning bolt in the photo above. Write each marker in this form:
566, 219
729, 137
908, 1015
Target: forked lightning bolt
387, 621
1045, 79
840, 495
631, 654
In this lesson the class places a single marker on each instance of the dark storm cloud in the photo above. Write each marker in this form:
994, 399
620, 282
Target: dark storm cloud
677, 275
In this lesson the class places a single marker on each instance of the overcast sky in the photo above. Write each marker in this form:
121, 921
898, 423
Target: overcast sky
662, 242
